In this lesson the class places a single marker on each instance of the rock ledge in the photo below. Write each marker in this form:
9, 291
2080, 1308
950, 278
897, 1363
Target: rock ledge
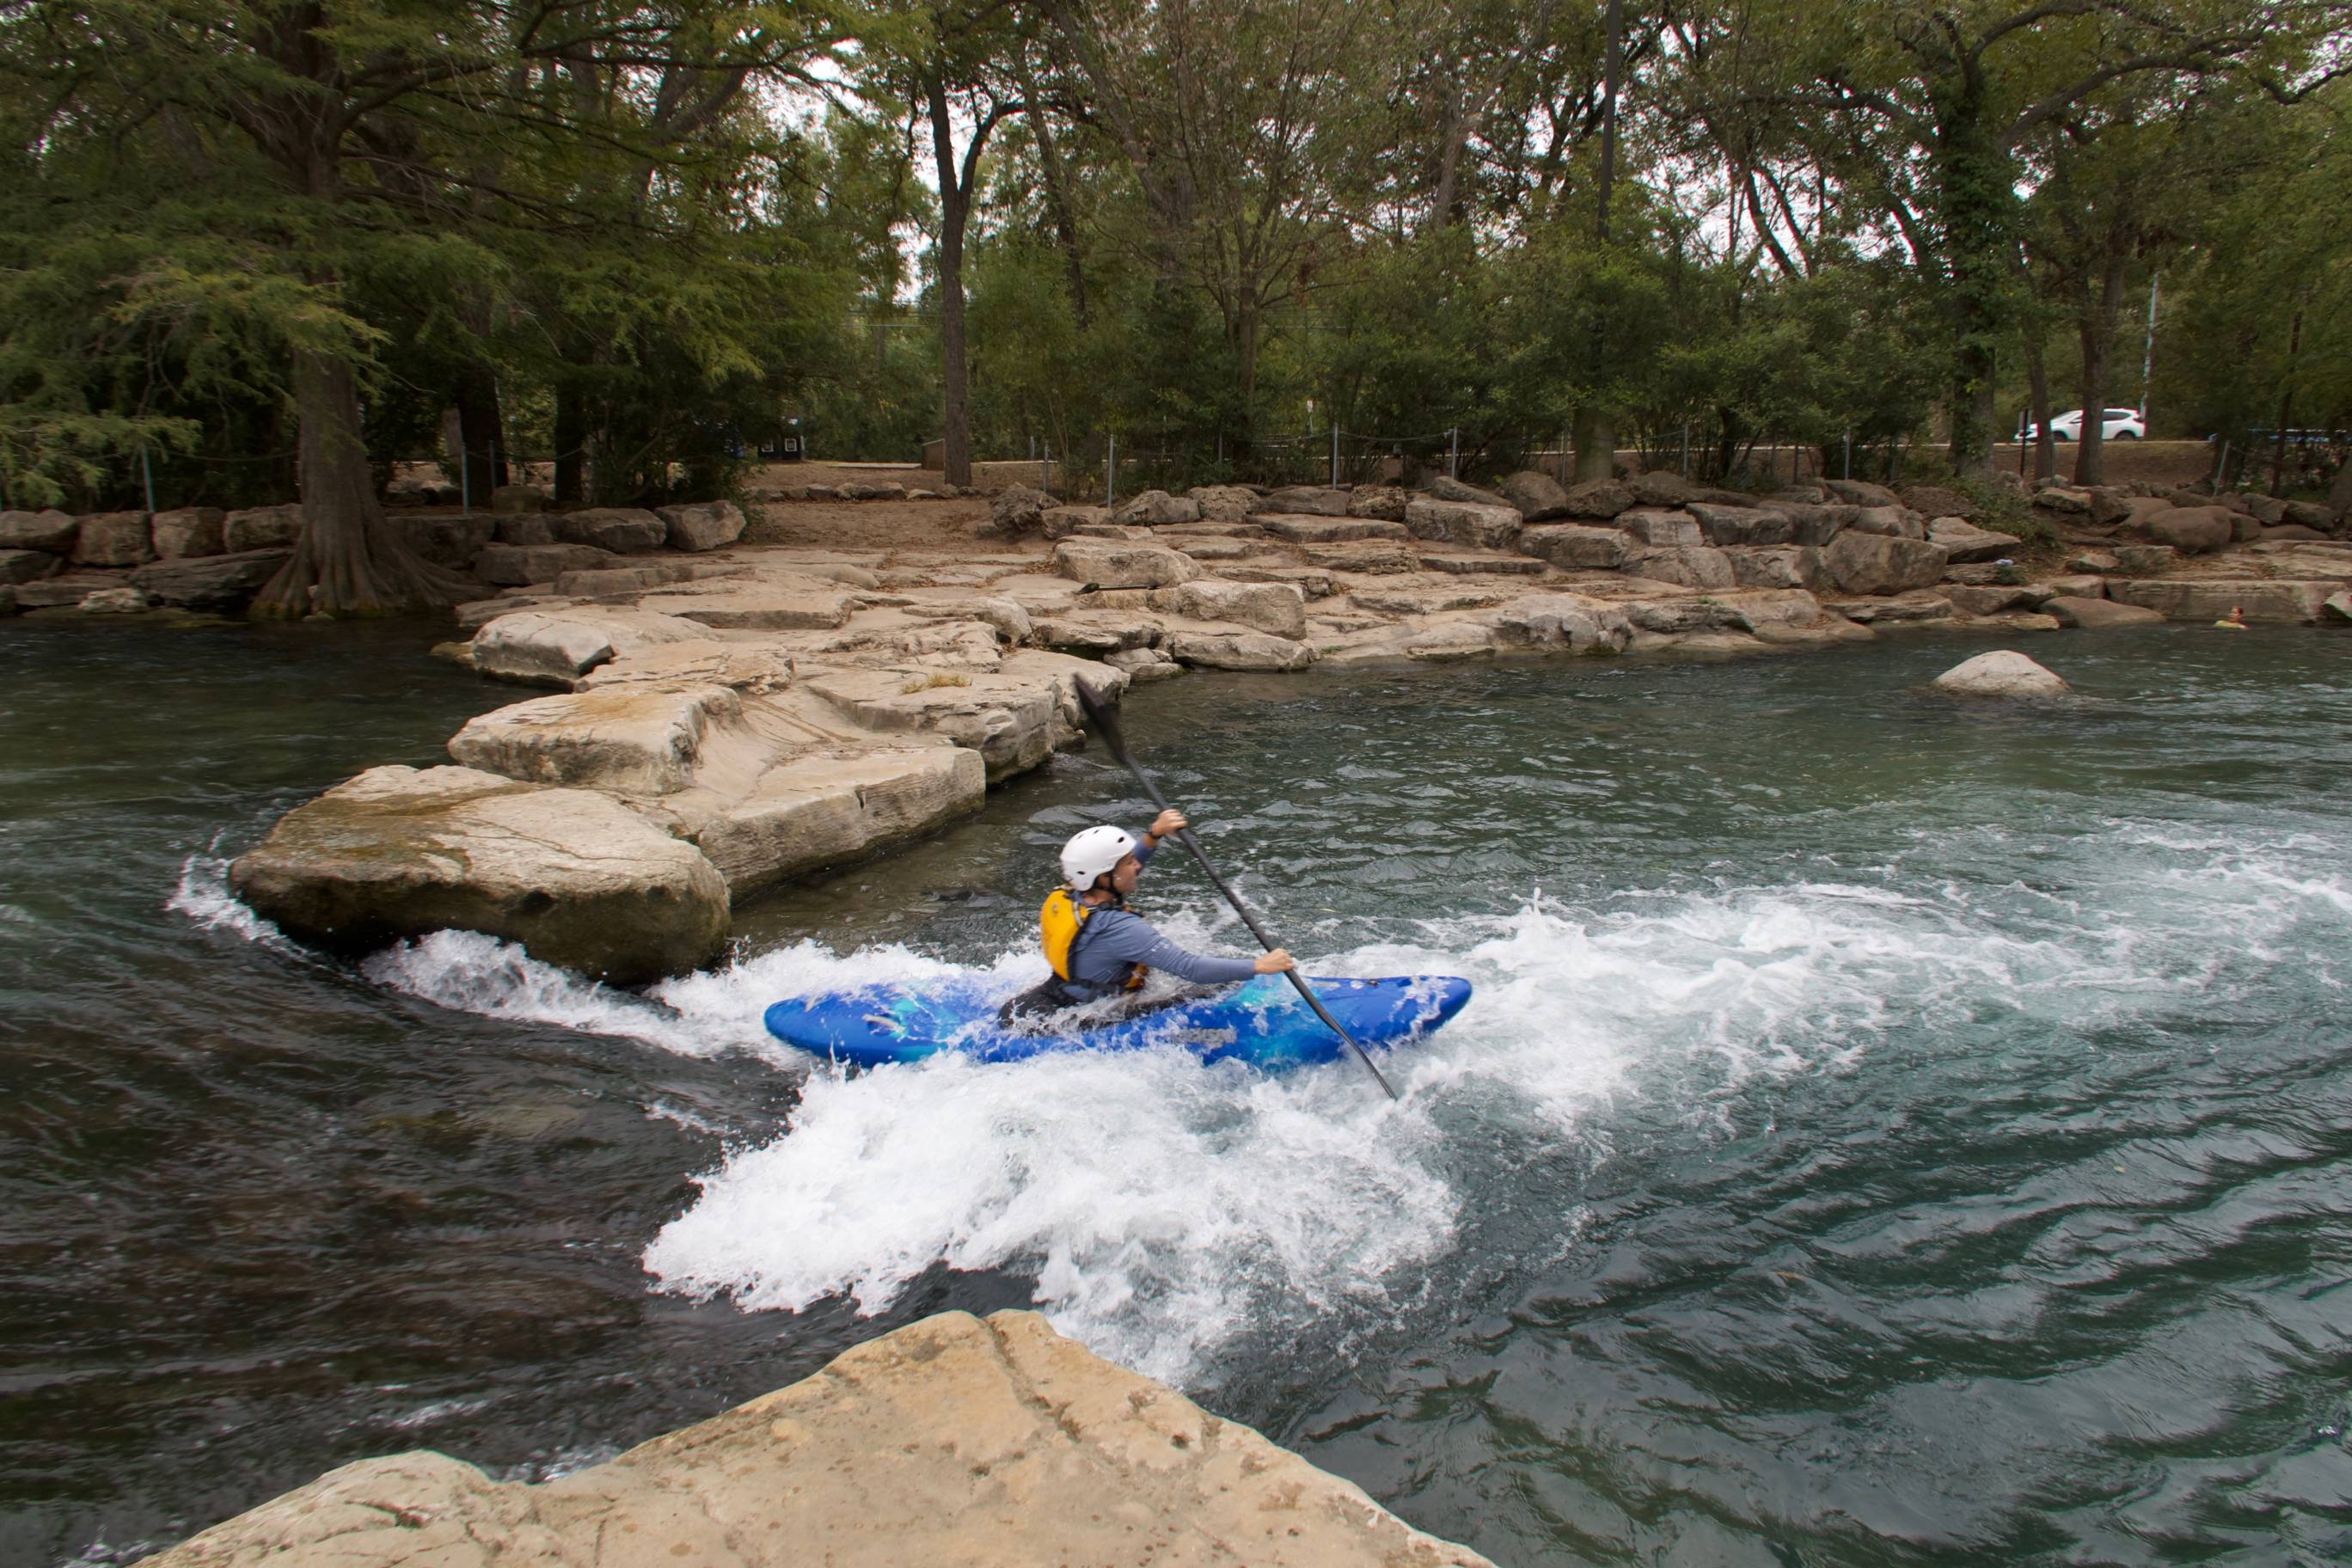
952, 1440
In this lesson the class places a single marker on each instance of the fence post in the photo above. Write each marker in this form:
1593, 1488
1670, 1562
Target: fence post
1686, 448
1045, 468
1848, 472
1111, 470
1454, 452
147, 474
1335, 457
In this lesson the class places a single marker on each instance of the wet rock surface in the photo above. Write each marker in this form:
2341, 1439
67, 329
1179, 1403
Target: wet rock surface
953, 1440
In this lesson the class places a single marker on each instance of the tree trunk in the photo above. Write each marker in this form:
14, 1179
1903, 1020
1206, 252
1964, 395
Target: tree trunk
2286, 405
1596, 444
571, 447
1974, 190
349, 560
1057, 194
2037, 381
955, 209
2097, 332
479, 427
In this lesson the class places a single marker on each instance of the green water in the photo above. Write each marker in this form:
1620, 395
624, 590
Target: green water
1888, 1131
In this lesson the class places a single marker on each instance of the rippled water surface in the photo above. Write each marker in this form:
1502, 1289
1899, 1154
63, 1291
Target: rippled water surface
1888, 1130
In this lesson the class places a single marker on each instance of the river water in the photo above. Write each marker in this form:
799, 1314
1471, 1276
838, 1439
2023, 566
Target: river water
1888, 1130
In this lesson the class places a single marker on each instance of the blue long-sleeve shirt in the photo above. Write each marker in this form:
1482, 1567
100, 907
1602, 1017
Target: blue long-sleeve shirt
1115, 939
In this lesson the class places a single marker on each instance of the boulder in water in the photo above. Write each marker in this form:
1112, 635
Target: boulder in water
578, 879
2004, 673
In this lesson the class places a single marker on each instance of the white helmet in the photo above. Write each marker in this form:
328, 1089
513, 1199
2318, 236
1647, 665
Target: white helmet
1090, 854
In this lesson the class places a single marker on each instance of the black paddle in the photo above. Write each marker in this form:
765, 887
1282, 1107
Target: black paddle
1108, 728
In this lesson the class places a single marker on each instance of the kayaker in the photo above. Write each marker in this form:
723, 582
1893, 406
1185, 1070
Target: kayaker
1098, 947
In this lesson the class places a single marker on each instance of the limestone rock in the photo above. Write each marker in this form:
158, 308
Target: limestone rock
629, 739
186, 531
1477, 525
753, 603
1014, 717
261, 528
1888, 522
515, 565
1993, 600
2141, 559
1878, 565
624, 530
114, 602
952, 1440
598, 581
1224, 503
1723, 525
1386, 502
52, 531
1306, 501
1113, 564
62, 592
518, 498
2093, 560
1329, 530
2269, 600
1917, 608
1536, 494
1937, 500
2064, 499
2097, 614
1597, 499
113, 539
223, 583
1860, 492
578, 879
1816, 523
1371, 558
1563, 621
1481, 563
1692, 565
1442, 486
1571, 544
2193, 530
1275, 607
558, 646
1144, 665
2337, 607
1155, 509
753, 669
1964, 541
824, 810
702, 525
1016, 510
1652, 526
2313, 515
449, 540
1061, 522
1661, 487
1777, 567
1312, 581
28, 565
2002, 673
523, 528
883, 490
1240, 650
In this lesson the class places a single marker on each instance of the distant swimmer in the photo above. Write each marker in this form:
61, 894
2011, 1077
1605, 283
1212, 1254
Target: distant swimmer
2236, 620
1098, 946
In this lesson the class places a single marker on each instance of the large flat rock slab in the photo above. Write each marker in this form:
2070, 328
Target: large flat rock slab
575, 877
819, 811
630, 738
556, 647
2184, 599
1015, 717
1116, 563
790, 603
995, 1444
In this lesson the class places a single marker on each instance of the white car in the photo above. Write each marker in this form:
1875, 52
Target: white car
2120, 424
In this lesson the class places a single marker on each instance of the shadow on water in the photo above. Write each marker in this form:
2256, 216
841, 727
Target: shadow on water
1889, 1130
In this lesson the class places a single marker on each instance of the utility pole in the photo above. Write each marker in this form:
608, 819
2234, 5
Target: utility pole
2148, 360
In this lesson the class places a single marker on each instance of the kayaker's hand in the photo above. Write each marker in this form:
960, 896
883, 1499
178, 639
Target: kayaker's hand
1278, 962
1167, 822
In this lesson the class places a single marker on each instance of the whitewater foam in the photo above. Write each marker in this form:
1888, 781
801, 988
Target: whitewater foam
1166, 1212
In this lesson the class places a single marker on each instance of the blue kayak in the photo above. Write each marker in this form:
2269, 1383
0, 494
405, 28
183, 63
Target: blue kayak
1263, 1022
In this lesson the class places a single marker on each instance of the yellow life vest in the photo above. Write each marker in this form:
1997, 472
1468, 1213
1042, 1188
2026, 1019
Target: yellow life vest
1060, 924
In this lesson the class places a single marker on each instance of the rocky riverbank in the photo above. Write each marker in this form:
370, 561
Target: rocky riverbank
952, 1440
741, 703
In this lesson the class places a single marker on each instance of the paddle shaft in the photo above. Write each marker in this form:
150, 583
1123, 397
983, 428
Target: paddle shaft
1107, 727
